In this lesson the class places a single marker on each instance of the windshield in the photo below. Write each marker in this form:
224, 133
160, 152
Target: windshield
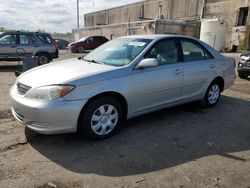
83, 39
118, 52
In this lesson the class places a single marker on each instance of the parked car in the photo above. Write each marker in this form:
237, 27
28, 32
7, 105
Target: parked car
15, 44
244, 65
122, 79
62, 44
88, 43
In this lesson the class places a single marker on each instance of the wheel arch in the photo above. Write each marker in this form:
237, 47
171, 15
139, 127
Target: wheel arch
220, 81
42, 52
116, 95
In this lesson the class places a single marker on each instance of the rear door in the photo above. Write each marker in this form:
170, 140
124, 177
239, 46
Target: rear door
26, 44
199, 68
8, 46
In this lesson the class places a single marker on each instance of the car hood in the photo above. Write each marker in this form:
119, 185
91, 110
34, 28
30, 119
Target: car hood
61, 72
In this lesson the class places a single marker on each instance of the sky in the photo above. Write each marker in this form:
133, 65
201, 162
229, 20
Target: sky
50, 15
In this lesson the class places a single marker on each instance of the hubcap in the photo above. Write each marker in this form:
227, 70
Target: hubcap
43, 59
213, 94
104, 119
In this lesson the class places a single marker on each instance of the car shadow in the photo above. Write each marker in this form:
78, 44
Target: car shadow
155, 141
10, 68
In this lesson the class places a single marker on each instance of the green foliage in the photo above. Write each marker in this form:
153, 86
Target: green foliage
54, 34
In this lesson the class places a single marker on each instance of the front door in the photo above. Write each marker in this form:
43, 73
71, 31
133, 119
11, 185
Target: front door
160, 86
8, 46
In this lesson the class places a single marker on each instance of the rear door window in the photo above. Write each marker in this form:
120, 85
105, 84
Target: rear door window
193, 51
8, 40
27, 39
45, 39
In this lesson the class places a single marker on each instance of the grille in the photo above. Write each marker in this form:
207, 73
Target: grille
247, 64
22, 89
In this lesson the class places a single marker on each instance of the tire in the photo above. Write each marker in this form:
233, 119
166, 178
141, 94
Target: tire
96, 122
242, 75
81, 49
43, 58
212, 95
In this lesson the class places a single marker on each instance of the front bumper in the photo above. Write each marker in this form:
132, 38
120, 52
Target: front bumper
72, 49
244, 70
46, 117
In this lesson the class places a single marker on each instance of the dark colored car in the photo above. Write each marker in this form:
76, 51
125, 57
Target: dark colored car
17, 43
244, 65
62, 44
88, 43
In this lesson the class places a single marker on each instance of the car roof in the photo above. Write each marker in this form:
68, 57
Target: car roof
157, 36
24, 32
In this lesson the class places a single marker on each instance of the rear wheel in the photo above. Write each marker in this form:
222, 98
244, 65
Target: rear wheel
101, 118
43, 58
212, 95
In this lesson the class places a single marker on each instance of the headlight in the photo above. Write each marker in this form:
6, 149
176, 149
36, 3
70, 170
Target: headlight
245, 58
49, 92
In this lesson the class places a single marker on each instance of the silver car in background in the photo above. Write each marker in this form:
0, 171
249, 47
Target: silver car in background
121, 79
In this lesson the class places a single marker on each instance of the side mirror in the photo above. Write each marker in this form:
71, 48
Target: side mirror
147, 63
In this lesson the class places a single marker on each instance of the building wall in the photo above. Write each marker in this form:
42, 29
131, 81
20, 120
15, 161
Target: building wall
175, 10
149, 9
157, 26
228, 10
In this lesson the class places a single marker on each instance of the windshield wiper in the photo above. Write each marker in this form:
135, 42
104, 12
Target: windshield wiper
92, 61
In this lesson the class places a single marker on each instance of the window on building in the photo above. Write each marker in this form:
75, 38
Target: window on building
242, 17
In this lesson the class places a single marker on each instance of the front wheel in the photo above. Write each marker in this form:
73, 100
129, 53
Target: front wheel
101, 118
81, 49
212, 95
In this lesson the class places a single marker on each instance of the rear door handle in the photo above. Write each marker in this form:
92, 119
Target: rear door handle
178, 71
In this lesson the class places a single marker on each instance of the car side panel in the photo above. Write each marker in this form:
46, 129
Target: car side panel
197, 75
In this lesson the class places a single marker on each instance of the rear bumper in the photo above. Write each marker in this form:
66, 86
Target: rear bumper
73, 49
229, 81
54, 55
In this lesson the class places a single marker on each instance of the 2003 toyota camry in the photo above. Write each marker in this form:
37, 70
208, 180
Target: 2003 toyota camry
121, 79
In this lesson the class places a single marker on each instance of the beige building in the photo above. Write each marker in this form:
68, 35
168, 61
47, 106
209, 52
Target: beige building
168, 17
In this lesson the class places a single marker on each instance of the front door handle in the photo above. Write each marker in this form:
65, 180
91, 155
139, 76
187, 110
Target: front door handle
178, 71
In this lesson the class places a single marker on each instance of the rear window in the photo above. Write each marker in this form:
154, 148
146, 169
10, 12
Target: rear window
45, 39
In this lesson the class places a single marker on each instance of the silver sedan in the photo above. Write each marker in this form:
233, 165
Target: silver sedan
121, 79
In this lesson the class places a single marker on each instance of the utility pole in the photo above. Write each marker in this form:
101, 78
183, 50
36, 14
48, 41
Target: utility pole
78, 25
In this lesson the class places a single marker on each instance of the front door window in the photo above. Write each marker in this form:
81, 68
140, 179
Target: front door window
8, 40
